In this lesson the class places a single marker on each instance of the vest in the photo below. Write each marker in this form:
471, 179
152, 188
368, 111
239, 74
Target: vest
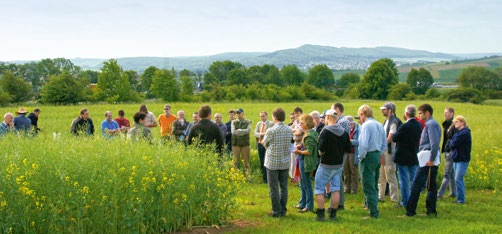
240, 140
392, 120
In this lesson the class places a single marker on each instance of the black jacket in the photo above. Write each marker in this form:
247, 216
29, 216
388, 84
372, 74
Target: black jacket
206, 132
407, 139
334, 142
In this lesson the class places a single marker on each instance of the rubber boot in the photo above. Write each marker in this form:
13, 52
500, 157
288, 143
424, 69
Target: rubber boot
332, 213
320, 215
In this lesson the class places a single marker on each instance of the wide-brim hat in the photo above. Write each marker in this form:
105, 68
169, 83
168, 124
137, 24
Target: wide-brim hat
21, 111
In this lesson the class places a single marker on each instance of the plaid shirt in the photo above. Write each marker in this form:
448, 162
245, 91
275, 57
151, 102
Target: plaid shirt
344, 123
277, 141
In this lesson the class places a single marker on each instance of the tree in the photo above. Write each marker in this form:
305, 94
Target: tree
321, 77
90, 75
113, 84
16, 87
377, 80
419, 80
164, 85
64, 89
255, 75
399, 91
348, 78
292, 75
133, 78
479, 78
219, 71
186, 86
238, 76
146, 78
272, 75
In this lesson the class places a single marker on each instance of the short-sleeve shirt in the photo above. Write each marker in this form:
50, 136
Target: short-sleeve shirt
166, 124
150, 118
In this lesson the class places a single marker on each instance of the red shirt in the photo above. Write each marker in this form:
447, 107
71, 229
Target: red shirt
123, 123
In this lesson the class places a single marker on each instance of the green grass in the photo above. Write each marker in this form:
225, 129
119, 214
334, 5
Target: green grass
478, 215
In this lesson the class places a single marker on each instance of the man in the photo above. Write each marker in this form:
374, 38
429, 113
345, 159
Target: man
6, 126
317, 120
21, 123
372, 143
150, 121
109, 127
297, 139
124, 123
259, 133
180, 126
166, 122
448, 132
139, 131
334, 142
426, 174
34, 120
277, 141
241, 129
388, 167
83, 124
223, 127
228, 135
195, 118
205, 132
405, 156
345, 124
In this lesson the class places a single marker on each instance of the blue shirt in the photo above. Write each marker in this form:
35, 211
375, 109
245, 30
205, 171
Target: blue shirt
429, 140
22, 123
4, 129
110, 125
371, 138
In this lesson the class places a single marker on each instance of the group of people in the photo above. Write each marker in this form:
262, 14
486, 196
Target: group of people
21, 124
336, 151
331, 148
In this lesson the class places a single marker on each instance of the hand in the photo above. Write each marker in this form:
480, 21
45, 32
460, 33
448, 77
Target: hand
429, 164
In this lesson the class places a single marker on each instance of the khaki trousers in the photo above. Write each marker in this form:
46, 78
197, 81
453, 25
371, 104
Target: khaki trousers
241, 153
388, 175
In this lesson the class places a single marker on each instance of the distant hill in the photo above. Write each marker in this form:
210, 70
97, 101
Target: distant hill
306, 56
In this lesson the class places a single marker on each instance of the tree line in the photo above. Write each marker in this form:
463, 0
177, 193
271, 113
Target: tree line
59, 81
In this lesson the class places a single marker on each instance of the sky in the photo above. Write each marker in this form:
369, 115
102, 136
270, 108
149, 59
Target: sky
34, 29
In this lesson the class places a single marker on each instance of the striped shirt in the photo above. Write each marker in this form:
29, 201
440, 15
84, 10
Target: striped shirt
277, 141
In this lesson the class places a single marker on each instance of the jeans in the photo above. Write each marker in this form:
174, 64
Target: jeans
306, 193
370, 171
261, 154
460, 170
406, 176
432, 192
278, 186
448, 177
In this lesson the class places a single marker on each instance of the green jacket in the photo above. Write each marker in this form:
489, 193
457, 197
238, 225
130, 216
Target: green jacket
310, 143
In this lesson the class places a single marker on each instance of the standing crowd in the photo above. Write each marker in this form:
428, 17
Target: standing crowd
328, 153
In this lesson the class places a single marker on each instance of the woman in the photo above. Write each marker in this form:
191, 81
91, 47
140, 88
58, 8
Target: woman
150, 120
350, 168
307, 154
460, 146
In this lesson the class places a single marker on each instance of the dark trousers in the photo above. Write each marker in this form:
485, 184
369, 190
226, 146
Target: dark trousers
422, 177
278, 185
370, 171
261, 154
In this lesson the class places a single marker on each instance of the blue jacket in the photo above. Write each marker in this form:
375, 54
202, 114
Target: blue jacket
460, 146
21, 123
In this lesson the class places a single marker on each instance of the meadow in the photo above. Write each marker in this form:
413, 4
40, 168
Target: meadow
96, 185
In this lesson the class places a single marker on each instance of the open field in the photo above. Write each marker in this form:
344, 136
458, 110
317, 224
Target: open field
478, 215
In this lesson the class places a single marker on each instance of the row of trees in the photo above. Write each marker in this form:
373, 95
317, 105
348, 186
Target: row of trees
59, 81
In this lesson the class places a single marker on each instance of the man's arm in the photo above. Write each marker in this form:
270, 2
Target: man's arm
434, 138
257, 131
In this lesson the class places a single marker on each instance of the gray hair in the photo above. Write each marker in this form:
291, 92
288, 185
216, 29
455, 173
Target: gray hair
8, 114
410, 110
315, 114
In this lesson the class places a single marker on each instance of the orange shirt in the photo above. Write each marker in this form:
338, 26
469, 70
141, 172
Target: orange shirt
166, 124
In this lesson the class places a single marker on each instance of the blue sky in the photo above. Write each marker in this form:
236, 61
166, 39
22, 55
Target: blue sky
33, 29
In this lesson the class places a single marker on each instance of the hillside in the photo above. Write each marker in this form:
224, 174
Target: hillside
306, 56
447, 72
